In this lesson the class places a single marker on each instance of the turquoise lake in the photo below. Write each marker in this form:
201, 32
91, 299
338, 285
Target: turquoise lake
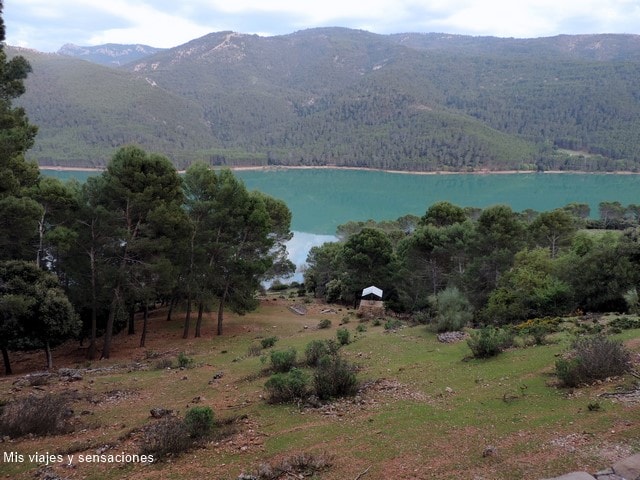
322, 199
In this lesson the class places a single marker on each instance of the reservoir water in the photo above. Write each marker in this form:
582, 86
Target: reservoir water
322, 199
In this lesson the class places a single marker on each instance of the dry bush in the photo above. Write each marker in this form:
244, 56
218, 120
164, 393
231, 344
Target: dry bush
167, 437
45, 415
593, 358
300, 465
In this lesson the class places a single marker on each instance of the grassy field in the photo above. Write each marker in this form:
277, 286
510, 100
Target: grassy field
425, 410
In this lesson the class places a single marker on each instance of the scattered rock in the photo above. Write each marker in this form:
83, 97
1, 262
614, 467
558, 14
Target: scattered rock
313, 402
102, 449
218, 375
489, 451
451, 337
629, 468
115, 396
33, 379
160, 412
626, 469
46, 473
608, 475
69, 374
299, 309
574, 476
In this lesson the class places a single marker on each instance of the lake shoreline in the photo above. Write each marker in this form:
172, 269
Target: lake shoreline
320, 199
276, 168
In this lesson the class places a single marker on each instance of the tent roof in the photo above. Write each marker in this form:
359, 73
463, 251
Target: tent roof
372, 290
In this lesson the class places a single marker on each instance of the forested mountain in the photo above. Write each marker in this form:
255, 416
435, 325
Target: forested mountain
335, 96
110, 54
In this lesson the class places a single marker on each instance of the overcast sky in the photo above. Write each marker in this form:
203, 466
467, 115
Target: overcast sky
46, 25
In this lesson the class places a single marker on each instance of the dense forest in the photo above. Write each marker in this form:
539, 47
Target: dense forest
349, 98
81, 260
500, 266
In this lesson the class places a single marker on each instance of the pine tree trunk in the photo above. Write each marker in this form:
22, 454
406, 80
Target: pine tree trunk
220, 314
47, 352
172, 302
199, 322
92, 350
223, 298
106, 346
7, 362
40, 251
132, 320
187, 318
145, 323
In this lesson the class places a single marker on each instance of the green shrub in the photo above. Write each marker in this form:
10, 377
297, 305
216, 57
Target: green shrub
288, 387
392, 324
33, 415
453, 310
334, 377
184, 361
278, 286
594, 406
314, 351
593, 358
361, 328
199, 421
268, 342
632, 299
489, 341
343, 335
538, 328
624, 323
324, 323
283, 360
166, 437
422, 317
346, 320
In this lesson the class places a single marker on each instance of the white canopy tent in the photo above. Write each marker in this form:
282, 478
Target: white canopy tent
372, 291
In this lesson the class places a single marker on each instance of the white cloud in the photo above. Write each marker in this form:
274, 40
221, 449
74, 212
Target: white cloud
45, 25
148, 25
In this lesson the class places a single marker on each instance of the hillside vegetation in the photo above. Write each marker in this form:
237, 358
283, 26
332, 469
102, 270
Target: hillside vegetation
350, 98
423, 410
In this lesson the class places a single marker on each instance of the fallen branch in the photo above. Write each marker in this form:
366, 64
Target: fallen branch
362, 474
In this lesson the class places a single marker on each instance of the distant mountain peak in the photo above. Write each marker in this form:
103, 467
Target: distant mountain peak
109, 54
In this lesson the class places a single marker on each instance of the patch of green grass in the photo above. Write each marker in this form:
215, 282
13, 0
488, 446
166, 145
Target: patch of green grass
448, 407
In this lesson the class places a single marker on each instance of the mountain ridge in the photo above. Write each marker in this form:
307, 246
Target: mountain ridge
337, 96
109, 54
